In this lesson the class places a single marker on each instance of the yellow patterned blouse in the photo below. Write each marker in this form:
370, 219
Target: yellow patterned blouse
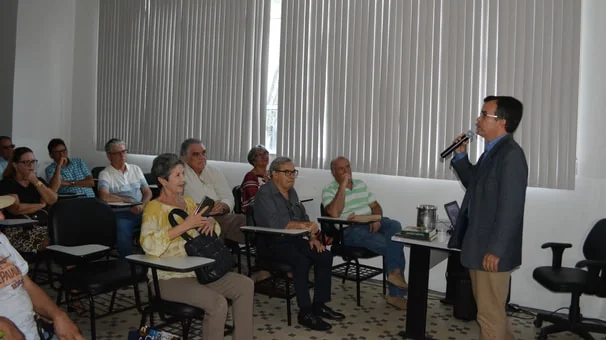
154, 235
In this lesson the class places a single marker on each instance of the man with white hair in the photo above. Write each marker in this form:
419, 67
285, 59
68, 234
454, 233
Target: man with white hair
203, 180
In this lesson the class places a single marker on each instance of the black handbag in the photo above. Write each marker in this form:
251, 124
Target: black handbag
205, 246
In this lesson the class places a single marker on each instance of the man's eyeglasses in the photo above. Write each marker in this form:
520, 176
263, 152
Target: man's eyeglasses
29, 162
289, 173
6, 147
123, 152
60, 151
198, 154
485, 114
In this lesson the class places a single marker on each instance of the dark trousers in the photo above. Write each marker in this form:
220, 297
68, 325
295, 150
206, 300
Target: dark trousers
298, 254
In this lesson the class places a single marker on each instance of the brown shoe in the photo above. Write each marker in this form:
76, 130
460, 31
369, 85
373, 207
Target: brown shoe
262, 275
397, 281
399, 302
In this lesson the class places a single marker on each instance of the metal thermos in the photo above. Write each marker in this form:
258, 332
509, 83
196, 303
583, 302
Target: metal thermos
426, 216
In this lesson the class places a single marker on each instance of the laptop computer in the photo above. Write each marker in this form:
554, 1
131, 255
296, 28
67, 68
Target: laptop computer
452, 210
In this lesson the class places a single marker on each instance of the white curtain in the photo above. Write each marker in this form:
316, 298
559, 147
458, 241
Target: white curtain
389, 84
170, 70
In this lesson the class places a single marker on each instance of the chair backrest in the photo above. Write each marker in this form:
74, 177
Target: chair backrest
150, 179
329, 229
237, 191
82, 221
593, 249
96, 171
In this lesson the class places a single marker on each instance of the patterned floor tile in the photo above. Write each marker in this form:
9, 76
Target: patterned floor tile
373, 320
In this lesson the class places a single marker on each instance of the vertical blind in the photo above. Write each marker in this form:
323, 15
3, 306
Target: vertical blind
170, 70
389, 84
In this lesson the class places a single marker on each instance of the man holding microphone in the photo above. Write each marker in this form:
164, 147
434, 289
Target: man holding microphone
490, 225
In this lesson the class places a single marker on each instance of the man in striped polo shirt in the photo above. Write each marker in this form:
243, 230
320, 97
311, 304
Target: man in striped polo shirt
345, 197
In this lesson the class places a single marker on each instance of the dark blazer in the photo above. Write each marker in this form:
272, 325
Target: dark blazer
491, 219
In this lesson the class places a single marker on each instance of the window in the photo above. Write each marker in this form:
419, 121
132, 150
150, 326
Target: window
385, 83
273, 76
170, 70
389, 84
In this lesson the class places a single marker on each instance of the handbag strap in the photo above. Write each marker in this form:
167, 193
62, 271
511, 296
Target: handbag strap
173, 222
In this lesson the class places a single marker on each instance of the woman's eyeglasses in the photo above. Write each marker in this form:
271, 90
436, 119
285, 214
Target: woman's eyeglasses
29, 162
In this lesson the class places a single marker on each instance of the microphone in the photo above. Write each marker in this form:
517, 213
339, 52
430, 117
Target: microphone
468, 137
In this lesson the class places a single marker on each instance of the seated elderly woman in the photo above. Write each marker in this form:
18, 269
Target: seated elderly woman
277, 206
21, 297
33, 198
158, 238
258, 157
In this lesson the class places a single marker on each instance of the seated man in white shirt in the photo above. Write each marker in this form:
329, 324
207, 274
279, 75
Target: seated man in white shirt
203, 180
21, 298
122, 182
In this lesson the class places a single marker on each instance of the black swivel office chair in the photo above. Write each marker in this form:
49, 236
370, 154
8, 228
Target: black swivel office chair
575, 281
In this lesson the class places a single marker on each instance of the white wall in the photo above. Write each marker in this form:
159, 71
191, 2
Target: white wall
44, 64
554, 215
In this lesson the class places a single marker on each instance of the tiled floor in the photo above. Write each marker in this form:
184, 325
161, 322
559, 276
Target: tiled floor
374, 320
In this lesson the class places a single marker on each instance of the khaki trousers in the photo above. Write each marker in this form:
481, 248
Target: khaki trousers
230, 226
212, 298
490, 291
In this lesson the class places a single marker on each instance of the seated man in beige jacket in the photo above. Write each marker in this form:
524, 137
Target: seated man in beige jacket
202, 180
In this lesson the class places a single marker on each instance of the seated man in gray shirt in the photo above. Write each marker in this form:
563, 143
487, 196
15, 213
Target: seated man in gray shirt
277, 206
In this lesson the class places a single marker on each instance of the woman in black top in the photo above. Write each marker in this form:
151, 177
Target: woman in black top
33, 198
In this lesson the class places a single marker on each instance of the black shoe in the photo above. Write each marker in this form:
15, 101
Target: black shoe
311, 321
327, 313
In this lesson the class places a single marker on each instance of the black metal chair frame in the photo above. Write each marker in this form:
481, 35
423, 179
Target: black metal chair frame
335, 229
236, 248
279, 285
72, 265
169, 312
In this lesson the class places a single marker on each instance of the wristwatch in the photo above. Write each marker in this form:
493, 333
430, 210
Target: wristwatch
72, 183
39, 184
